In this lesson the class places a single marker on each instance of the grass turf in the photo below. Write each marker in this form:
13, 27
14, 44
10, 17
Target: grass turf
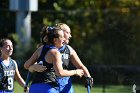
95, 89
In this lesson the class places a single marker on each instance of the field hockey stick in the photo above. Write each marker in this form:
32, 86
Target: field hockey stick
26, 83
88, 88
88, 83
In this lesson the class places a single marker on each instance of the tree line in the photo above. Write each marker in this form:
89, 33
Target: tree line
103, 32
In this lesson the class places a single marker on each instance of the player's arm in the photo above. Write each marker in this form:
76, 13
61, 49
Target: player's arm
57, 63
18, 77
77, 62
32, 59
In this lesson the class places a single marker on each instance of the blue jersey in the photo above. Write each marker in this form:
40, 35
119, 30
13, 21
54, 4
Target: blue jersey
44, 82
65, 52
7, 83
65, 85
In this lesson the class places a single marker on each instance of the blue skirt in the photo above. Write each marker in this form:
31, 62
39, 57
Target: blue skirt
65, 85
42, 88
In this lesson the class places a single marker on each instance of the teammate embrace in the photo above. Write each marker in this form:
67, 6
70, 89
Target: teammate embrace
53, 76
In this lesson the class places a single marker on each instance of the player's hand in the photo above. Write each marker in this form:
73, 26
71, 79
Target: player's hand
89, 82
79, 72
40, 68
26, 89
37, 68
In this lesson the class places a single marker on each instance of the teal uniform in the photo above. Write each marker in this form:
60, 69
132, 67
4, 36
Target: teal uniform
7, 82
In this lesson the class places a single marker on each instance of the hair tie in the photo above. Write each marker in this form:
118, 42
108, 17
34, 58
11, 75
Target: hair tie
50, 28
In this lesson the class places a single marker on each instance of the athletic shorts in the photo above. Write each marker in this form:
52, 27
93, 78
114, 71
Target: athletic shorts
42, 88
65, 85
2, 91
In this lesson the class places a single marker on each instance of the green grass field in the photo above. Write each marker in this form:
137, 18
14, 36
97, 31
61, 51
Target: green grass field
109, 89
95, 89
